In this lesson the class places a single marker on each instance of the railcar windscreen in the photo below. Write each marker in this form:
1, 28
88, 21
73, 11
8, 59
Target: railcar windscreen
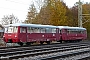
11, 30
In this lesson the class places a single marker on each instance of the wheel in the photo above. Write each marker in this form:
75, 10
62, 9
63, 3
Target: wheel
20, 43
80, 40
60, 41
9, 44
48, 42
41, 42
28, 43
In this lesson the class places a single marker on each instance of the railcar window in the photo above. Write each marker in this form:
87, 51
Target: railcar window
48, 30
10, 29
53, 30
42, 30
6, 30
74, 31
15, 29
29, 30
22, 30
33, 30
37, 30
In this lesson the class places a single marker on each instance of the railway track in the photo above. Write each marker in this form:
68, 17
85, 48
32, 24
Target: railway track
46, 52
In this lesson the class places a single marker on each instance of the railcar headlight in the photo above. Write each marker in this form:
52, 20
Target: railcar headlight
3, 36
15, 36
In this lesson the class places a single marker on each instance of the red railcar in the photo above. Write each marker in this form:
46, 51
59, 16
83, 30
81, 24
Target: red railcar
71, 34
28, 33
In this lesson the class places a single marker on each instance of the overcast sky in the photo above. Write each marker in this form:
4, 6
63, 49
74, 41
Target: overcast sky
20, 7
71, 3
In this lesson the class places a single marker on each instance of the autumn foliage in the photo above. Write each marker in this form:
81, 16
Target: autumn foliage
55, 12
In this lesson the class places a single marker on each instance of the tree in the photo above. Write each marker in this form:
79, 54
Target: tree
86, 17
86, 13
53, 12
73, 15
43, 16
59, 13
31, 14
40, 4
9, 19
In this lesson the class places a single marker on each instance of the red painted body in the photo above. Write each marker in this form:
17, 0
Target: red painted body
37, 37
73, 36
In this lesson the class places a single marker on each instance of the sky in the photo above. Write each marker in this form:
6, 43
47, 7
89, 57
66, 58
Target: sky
19, 8
71, 3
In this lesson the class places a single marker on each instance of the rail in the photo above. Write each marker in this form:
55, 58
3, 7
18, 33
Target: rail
61, 50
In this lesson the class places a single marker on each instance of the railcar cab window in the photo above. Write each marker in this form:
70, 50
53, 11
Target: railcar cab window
6, 30
82, 31
15, 29
11, 30
22, 30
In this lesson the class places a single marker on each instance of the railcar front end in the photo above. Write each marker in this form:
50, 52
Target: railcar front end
11, 34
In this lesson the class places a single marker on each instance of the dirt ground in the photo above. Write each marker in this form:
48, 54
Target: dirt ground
2, 43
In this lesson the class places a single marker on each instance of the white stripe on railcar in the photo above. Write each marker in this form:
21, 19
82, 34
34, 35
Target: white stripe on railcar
32, 25
67, 27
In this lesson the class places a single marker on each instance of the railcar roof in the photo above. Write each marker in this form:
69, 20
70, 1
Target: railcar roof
31, 25
67, 27
44, 26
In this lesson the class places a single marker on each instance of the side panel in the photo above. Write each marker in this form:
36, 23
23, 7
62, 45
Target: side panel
73, 35
37, 37
79, 35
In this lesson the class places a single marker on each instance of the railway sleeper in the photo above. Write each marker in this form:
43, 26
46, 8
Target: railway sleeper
44, 50
40, 53
65, 55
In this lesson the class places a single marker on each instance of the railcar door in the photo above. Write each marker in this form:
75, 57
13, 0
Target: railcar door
64, 34
23, 34
57, 34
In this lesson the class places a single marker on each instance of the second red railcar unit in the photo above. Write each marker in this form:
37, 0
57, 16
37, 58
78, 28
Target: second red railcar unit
71, 34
